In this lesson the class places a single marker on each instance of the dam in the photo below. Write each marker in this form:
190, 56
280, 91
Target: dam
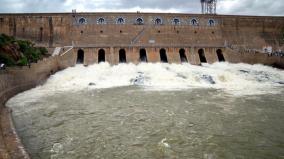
133, 37
144, 85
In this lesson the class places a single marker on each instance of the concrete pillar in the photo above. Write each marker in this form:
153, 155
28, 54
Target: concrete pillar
173, 55
187, 54
113, 54
193, 57
96, 50
133, 55
89, 56
108, 56
211, 55
153, 54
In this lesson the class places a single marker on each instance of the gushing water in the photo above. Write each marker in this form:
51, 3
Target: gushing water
154, 111
237, 79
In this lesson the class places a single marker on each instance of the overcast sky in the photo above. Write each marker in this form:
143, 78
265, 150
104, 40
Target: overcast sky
240, 7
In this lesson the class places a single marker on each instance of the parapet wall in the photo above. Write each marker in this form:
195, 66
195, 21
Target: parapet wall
132, 32
86, 29
12, 82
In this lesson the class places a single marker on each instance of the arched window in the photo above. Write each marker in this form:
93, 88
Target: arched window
82, 20
194, 22
101, 21
120, 20
202, 56
211, 22
143, 55
122, 56
163, 56
220, 55
176, 21
80, 56
182, 55
101, 56
158, 21
139, 21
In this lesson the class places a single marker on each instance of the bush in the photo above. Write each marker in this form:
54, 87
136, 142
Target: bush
24, 45
7, 60
31, 53
43, 51
23, 62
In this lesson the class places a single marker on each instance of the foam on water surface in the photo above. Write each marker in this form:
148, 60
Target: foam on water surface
234, 79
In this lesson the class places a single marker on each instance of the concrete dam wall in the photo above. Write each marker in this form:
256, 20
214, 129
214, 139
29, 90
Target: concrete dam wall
146, 36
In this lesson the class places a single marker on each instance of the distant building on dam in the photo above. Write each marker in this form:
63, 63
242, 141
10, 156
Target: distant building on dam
151, 37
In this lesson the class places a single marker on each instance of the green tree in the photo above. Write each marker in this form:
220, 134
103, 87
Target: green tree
30, 52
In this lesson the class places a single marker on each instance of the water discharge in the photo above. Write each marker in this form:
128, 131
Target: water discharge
154, 111
237, 79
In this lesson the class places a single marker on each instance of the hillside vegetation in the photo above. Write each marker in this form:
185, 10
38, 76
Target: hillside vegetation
15, 52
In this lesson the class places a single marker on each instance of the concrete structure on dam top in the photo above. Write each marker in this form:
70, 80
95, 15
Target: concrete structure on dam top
90, 38
152, 37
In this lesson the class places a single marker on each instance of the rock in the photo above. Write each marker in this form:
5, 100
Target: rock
181, 76
208, 78
92, 84
244, 71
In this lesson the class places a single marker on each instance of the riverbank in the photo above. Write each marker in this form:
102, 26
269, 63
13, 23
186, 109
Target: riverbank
13, 81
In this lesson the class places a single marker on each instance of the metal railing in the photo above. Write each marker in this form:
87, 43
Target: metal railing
70, 48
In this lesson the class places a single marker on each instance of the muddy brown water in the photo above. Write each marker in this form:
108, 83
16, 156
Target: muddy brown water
131, 122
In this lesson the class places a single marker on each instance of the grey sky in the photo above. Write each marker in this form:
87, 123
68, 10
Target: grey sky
243, 7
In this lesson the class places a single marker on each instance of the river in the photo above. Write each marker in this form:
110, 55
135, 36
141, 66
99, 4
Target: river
157, 110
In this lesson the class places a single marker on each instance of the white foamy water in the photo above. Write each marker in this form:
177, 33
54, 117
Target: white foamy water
235, 79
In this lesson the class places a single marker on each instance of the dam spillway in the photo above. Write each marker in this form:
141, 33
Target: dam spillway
154, 111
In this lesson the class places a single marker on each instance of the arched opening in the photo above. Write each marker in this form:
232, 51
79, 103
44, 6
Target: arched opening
80, 56
182, 55
122, 56
158, 21
211, 22
139, 21
163, 56
202, 56
176, 21
220, 55
194, 22
82, 20
143, 55
101, 21
101, 56
120, 20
